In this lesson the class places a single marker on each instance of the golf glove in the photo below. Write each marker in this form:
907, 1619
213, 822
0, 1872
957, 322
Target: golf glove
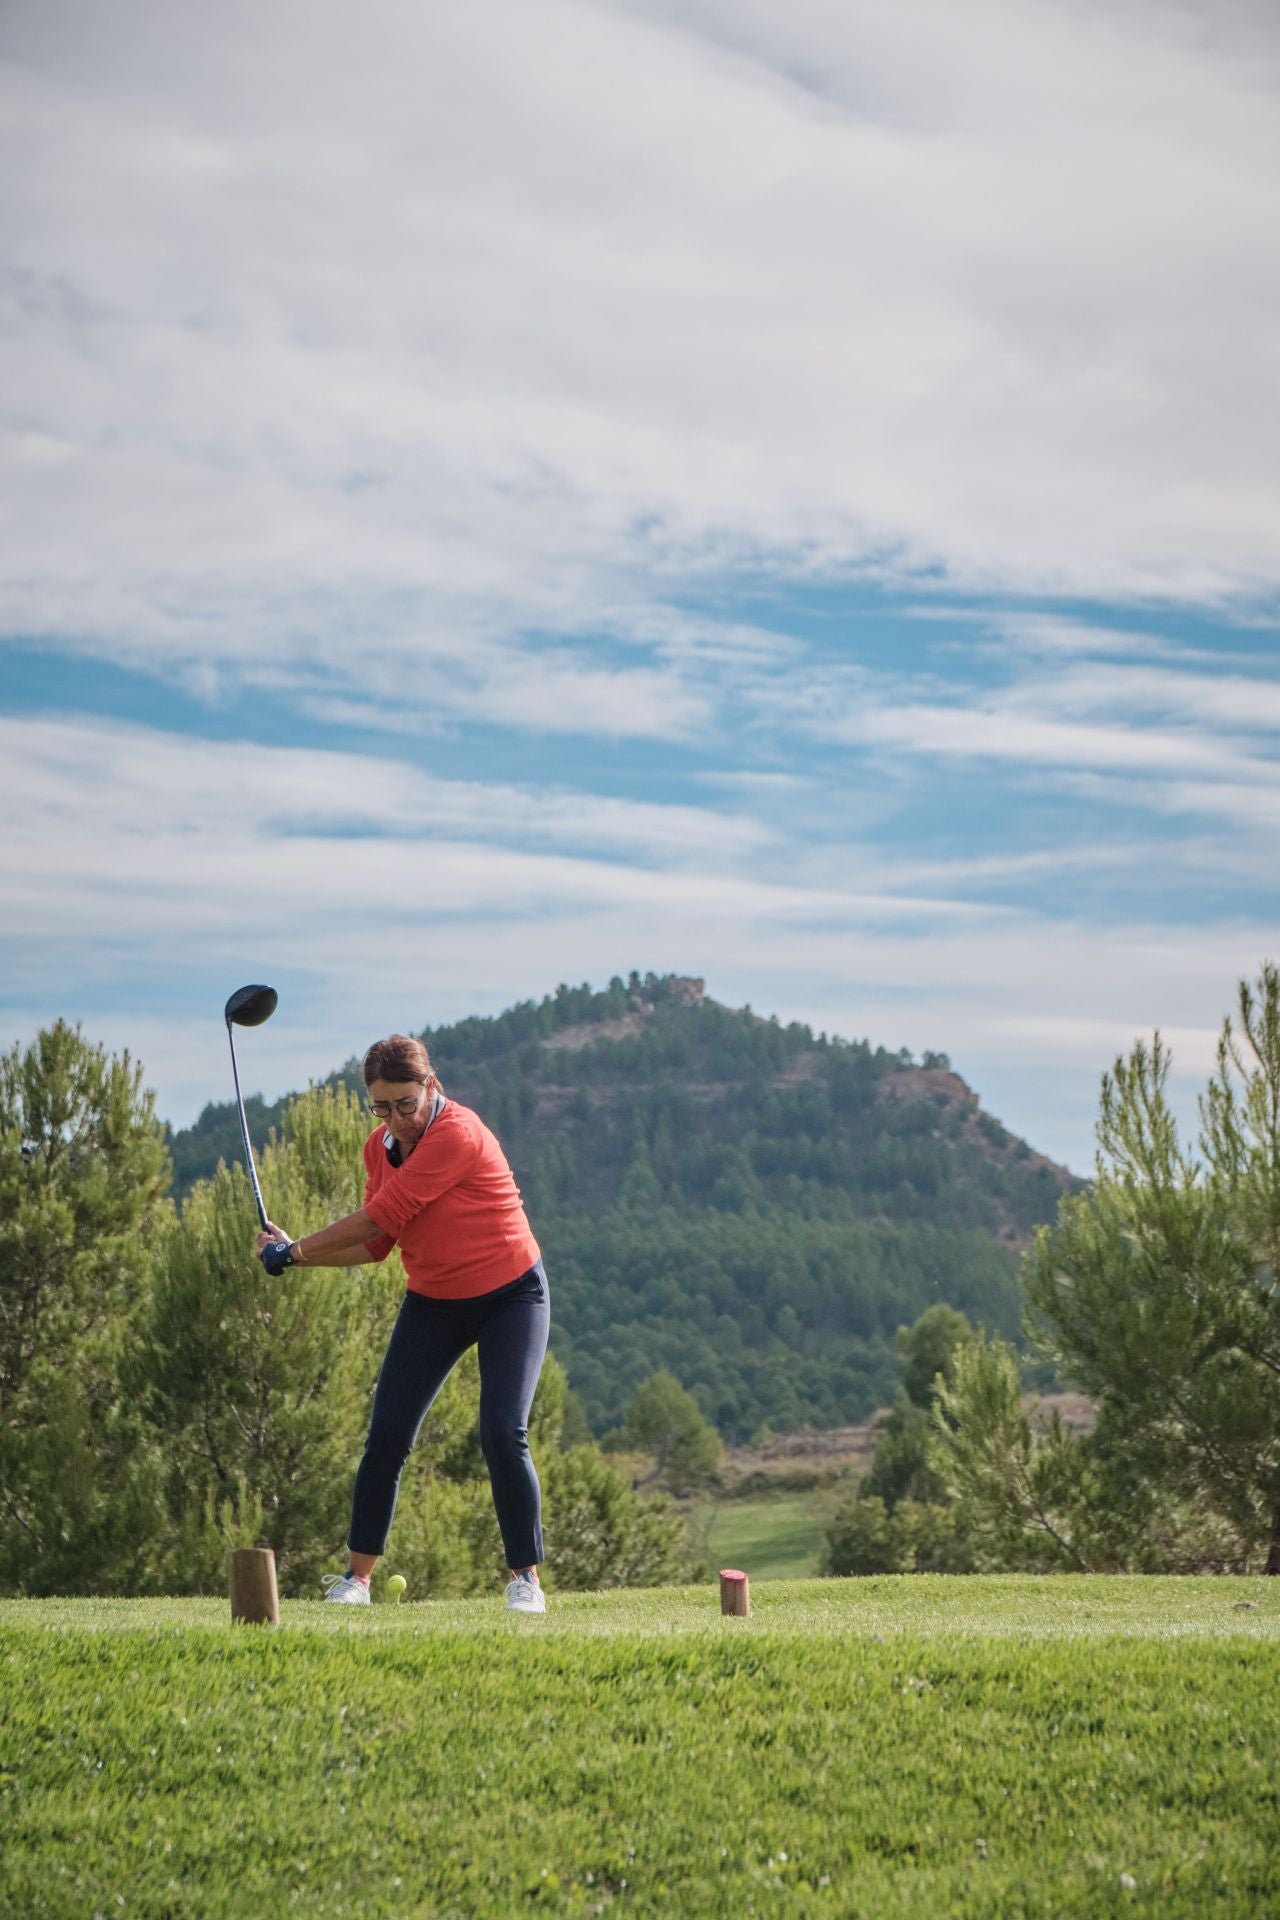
276, 1256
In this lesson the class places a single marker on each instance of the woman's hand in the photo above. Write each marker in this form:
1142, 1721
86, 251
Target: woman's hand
275, 1249
344, 1244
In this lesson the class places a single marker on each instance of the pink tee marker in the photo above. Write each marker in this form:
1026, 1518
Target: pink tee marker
735, 1592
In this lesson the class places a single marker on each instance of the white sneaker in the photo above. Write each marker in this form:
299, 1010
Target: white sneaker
525, 1595
344, 1587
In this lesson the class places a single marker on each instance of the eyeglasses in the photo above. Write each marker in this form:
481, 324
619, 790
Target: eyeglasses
381, 1109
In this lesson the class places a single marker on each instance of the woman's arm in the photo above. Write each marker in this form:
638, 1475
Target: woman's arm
341, 1257
344, 1244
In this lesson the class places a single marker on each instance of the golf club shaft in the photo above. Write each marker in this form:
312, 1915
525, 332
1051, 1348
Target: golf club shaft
244, 1129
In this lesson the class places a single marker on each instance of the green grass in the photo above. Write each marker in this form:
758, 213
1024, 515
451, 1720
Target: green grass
872, 1748
773, 1536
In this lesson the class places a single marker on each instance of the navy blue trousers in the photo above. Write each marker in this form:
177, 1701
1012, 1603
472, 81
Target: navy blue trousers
509, 1326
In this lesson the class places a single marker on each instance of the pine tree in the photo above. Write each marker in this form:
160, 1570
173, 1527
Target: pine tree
83, 1179
667, 1422
600, 1533
1157, 1295
262, 1387
897, 1518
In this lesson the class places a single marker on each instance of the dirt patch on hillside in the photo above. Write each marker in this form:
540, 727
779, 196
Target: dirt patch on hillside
685, 992
798, 1460
927, 1083
573, 1039
806, 1066
802, 1459
1077, 1413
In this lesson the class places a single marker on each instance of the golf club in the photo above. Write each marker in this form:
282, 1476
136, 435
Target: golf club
249, 1007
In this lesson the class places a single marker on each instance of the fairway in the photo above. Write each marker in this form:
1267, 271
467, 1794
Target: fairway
972, 1747
777, 1535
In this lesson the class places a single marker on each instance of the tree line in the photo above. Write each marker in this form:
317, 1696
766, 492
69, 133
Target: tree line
1157, 1294
162, 1400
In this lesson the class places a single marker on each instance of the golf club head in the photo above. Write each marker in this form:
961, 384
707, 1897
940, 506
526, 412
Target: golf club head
250, 1006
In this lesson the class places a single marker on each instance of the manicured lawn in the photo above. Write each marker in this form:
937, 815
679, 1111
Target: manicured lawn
857, 1748
775, 1536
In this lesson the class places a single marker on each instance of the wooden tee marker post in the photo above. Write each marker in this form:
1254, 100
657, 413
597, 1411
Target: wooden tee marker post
251, 1574
735, 1592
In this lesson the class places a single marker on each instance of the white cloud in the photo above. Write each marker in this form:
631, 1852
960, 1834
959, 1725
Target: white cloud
446, 325
1168, 737
1010, 731
1054, 635
761, 782
1243, 807
135, 785
550, 692
418, 363
1231, 701
1055, 1039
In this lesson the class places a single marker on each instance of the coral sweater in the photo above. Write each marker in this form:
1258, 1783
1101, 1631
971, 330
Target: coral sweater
453, 1208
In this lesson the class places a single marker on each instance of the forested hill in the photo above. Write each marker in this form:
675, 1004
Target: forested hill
752, 1206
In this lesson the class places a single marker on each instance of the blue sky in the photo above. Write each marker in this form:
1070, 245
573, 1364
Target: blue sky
781, 495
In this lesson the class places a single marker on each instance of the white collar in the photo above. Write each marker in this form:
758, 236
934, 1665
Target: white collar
438, 1104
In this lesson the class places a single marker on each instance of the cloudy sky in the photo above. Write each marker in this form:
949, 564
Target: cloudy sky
514, 493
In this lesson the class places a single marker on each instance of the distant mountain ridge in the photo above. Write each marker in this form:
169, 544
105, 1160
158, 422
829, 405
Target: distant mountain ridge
753, 1206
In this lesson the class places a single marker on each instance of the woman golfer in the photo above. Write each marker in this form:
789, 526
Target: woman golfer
438, 1186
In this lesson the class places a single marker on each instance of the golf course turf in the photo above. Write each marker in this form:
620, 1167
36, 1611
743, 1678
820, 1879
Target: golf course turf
924, 1746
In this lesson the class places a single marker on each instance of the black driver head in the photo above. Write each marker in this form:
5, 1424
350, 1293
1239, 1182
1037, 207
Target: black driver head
250, 1006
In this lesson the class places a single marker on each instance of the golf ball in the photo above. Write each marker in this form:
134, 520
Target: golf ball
396, 1585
